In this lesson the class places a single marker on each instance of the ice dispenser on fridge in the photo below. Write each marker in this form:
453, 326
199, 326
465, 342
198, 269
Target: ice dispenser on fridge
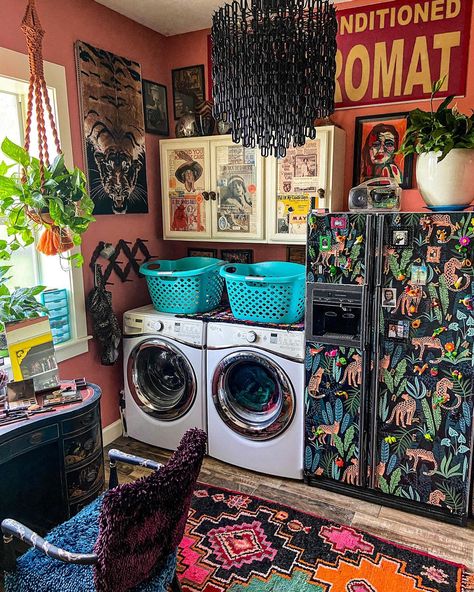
334, 313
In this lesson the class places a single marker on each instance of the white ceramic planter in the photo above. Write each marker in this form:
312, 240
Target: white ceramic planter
448, 183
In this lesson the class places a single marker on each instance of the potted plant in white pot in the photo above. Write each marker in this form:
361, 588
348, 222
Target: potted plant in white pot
444, 142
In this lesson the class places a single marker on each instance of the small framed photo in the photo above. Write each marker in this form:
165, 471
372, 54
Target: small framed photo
398, 330
389, 297
193, 252
378, 140
419, 274
325, 242
338, 222
400, 237
296, 254
155, 108
237, 255
433, 254
188, 89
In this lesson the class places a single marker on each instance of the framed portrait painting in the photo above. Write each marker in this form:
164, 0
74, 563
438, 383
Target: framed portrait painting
188, 89
378, 140
155, 106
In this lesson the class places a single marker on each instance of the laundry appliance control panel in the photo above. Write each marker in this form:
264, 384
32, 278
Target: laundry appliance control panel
278, 341
185, 330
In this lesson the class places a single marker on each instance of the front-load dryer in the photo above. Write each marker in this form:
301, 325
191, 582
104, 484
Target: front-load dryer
255, 398
164, 361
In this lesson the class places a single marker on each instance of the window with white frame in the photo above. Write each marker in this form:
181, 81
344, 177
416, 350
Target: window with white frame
28, 266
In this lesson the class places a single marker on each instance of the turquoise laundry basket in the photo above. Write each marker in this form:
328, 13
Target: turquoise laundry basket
184, 286
269, 292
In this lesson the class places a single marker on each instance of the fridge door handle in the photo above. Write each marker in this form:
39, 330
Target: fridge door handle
375, 386
379, 250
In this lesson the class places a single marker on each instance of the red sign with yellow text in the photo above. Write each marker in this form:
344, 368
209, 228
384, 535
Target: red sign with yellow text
392, 52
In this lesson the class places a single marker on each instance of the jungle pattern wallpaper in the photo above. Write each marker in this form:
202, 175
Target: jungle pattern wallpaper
336, 248
422, 407
333, 400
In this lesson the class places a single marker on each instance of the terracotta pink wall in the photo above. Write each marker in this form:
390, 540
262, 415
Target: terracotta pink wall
66, 21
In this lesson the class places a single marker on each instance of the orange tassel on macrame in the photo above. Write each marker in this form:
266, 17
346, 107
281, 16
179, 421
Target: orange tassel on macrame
54, 240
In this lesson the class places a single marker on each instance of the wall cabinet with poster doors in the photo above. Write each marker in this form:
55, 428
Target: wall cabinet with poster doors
212, 190
292, 181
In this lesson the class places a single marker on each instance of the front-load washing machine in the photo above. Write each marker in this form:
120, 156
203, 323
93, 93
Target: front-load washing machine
164, 361
255, 398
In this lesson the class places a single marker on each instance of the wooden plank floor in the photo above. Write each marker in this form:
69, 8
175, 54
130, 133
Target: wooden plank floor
443, 540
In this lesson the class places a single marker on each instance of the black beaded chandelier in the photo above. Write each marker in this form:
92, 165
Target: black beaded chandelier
273, 69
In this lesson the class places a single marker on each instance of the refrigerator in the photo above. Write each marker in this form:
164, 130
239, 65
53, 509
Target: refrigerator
389, 359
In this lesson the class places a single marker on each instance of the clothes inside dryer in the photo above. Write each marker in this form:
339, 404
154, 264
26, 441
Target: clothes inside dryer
253, 396
253, 387
163, 379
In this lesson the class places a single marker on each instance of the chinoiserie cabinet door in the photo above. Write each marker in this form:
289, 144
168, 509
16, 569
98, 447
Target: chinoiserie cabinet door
423, 425
294, 181
337, 248
333, 413
237, 204
185, 180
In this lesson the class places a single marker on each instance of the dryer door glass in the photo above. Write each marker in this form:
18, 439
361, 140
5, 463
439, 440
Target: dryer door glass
253, 395
161, 379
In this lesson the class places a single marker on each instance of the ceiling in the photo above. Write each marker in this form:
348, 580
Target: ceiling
170, 17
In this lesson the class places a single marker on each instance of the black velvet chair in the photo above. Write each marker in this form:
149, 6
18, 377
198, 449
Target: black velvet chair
125, 540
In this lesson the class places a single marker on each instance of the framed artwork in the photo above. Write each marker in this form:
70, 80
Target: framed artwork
397, 330
378, 140
155, 106
237, 255
195, 252
296, 254
188, 89
400, 237
110, 99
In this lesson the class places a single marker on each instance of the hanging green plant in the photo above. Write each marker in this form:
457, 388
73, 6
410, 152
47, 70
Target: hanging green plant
35, 192
60, 203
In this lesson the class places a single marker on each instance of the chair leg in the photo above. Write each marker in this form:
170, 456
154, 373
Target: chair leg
175, 585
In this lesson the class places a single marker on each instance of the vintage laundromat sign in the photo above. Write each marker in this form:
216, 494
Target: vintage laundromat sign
392, 52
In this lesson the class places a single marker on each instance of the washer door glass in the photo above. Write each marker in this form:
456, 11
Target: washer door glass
161, 379
253, 395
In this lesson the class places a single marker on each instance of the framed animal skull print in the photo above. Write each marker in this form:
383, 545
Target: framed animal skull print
110, 97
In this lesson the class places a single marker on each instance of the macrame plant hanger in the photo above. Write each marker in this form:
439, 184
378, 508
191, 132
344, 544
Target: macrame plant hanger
55, 240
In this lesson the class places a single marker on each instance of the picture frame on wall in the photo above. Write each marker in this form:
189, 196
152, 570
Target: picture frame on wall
296, 254
197, 252
377, 142
237, 255
155, 108
188, 89
107, 121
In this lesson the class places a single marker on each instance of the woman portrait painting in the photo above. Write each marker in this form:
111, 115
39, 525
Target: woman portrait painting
376, 152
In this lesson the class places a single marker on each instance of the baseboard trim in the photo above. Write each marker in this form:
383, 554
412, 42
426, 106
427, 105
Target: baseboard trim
112, 432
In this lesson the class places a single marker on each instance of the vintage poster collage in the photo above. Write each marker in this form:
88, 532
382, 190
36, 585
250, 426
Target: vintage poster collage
236, 181
298, 180
186, 184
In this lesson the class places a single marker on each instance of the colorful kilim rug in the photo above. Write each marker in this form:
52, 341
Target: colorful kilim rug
239, 543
